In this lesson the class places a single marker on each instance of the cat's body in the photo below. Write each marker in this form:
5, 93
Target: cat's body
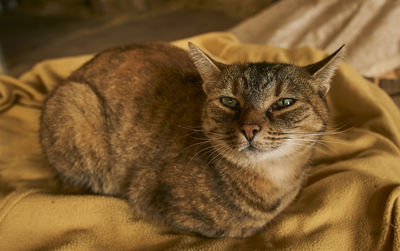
215, 157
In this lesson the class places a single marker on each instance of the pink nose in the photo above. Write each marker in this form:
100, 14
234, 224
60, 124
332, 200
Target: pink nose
249, 131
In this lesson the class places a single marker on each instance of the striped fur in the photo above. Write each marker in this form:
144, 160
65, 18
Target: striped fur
145, 122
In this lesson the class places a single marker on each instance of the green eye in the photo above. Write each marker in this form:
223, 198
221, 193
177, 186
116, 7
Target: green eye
229, 102
283, 103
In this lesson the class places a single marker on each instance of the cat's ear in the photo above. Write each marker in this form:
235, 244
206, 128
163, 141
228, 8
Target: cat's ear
322, 71
208, 68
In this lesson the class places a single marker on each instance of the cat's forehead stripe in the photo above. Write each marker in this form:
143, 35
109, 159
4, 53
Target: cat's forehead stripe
231, 82
259, 75
279, 85
257, 79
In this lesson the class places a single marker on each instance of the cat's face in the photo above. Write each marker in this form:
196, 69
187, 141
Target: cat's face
259, 111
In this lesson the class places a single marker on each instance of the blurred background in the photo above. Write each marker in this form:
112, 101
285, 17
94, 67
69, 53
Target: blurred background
34, 30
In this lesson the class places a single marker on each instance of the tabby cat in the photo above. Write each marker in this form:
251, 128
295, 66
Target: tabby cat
190, 142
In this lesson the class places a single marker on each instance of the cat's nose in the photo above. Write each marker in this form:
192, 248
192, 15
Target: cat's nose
249, 131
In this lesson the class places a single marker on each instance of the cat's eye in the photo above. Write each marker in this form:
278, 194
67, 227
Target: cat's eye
283, 103
229, 102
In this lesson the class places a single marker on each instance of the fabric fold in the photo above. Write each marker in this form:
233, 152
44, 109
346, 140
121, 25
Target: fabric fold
350, 201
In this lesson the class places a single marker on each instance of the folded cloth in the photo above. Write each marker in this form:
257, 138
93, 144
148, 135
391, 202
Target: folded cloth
350, 201
369, 29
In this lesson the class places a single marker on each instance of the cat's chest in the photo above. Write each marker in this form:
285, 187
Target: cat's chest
279, 174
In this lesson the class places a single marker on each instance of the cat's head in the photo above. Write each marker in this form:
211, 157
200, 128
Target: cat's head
257, 111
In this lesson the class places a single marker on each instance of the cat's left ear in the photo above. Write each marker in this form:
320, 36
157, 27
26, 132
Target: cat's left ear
208, 68
322, 71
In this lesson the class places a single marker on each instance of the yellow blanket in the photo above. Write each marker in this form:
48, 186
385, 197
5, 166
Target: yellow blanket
350, 201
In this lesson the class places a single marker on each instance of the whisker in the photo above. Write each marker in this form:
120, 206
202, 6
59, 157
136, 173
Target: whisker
316, 144
311, 134
343, 125
324, 139
198, 144
310, 146
198, 128
205, 150
216, 154
197, 153
220, 138
329, 131
313, 140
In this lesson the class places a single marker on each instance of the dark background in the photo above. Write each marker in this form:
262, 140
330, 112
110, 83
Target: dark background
33, 30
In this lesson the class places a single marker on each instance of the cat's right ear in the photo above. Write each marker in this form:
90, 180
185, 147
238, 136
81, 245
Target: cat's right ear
206, 66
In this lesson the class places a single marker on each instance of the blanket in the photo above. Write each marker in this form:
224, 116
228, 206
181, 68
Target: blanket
368, 28
350, 201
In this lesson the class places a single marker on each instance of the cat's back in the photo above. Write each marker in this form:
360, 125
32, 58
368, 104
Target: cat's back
117, 110
132, 68
150, 85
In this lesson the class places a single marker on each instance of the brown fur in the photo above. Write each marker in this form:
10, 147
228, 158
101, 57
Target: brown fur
146, 122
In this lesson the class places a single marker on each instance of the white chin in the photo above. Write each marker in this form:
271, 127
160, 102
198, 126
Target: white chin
248, 155
252, 156
255, 155
259, 155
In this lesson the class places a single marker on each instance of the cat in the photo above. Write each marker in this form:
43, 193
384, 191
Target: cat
201, 146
